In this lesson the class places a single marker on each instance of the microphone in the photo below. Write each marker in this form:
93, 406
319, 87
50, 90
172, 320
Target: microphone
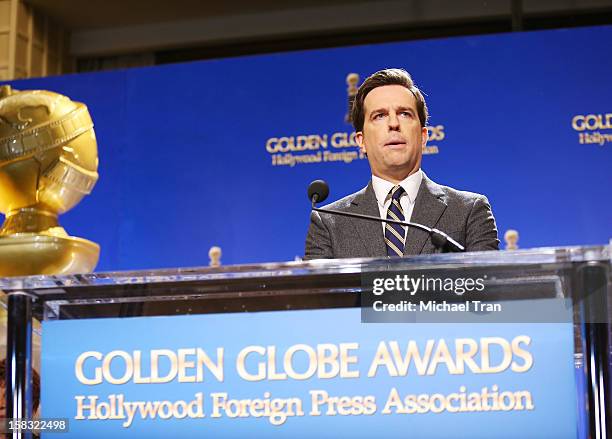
318, 191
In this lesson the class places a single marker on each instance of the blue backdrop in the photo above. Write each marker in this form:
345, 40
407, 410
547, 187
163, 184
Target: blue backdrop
184, 164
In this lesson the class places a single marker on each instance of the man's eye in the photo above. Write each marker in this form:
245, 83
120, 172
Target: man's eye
378, 116
406, 113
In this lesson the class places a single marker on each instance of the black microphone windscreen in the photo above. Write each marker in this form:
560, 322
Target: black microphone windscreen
318, 188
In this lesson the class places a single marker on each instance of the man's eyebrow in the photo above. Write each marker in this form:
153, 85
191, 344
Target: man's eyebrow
401, 107
379, 110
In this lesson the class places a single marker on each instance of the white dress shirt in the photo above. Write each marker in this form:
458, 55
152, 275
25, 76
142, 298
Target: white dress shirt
382, 189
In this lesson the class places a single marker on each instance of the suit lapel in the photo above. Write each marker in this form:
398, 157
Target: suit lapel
428, 208
370, 232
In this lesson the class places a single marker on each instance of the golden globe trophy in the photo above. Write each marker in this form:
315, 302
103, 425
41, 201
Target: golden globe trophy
48, 163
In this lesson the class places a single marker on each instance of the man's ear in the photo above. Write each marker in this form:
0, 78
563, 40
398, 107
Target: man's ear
425, 137
359, 140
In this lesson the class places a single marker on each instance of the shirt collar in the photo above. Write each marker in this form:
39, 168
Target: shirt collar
410, 184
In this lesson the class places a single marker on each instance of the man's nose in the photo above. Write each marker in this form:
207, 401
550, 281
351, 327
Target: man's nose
393, 121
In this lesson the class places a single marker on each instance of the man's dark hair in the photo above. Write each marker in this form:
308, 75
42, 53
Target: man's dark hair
379, 79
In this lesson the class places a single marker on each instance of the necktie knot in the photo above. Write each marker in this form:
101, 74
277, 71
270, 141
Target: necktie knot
397, 192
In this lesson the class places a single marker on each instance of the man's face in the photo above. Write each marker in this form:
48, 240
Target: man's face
392, 135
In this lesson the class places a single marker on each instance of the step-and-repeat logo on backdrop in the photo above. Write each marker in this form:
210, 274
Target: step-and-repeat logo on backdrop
593, 129
337, 147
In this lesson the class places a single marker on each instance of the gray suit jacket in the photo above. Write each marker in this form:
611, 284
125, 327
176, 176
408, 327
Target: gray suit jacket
465, 216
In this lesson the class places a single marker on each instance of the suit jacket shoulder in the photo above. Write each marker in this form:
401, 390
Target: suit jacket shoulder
465, 216
333, 236
346, 202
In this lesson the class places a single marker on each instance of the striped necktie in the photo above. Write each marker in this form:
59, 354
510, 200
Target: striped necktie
394, 233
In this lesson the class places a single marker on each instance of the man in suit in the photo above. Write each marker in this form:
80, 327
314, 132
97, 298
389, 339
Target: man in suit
390, 116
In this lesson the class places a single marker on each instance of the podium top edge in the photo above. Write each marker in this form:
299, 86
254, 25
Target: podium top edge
544, 255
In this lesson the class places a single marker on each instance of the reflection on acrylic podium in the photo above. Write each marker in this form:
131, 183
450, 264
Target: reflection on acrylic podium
298, 349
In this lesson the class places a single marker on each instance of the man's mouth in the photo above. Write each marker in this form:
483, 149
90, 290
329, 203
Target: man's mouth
395, 142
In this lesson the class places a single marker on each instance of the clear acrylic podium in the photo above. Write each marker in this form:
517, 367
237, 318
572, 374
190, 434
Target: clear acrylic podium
580, 275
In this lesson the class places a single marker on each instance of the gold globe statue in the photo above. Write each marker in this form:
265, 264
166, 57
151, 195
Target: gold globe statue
48, 163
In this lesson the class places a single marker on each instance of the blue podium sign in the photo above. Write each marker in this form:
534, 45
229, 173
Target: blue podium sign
316, 373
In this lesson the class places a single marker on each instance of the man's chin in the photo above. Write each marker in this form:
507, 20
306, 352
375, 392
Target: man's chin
400, 163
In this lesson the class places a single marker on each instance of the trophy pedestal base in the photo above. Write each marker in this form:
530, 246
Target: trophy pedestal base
30, 254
